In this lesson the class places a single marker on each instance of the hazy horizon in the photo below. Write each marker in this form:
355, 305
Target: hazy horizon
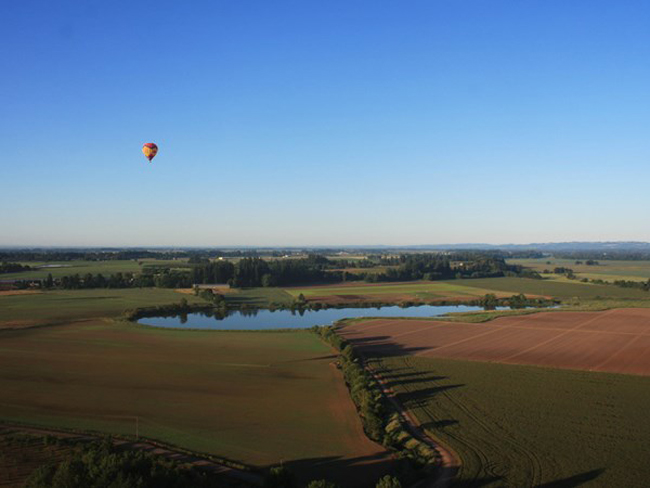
447, 245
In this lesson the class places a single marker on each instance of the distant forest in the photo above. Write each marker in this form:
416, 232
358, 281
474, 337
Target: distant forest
593, 252
258, 272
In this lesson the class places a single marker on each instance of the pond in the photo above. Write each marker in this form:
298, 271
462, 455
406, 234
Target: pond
299, 319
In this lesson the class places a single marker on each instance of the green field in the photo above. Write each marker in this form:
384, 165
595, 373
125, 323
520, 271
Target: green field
563, 289
258, 297
605, 269
64, 305
265, 397
520, 426
258, 398
66, 268
424, 290
469, 289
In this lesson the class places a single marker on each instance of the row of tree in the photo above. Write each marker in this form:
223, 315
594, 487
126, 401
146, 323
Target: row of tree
612, 254
100, 464
258, 272
163, 279
433, 267
254, 271
639, 285
491, 302
6, 267
250, 272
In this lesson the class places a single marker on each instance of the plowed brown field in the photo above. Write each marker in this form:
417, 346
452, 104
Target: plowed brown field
615, 341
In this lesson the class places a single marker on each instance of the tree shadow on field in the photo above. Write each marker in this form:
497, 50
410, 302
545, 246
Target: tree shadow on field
315, 358
419, 398
382, 346
390, 375
571, 482
439, 424
415, 379
362, 471
575, 480
478, 482
378, 339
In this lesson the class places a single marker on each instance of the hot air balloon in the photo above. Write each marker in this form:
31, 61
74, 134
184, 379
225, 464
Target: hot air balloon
150, 150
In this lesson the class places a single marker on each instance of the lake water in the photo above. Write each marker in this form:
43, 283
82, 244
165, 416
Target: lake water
286, 319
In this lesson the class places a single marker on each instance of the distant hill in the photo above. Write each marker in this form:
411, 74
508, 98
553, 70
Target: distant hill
155, 251
628, 246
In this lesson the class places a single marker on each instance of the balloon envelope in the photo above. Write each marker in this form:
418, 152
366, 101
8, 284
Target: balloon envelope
150, 150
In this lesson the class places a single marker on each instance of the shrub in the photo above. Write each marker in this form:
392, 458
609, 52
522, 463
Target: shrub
388, 482
322, 484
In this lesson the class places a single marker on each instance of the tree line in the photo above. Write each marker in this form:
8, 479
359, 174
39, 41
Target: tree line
6, 267
613, 254
258, 272
100, 464
639, 285
163, 279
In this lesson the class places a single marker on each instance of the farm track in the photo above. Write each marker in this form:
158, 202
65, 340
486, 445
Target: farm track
449, 462
195, 460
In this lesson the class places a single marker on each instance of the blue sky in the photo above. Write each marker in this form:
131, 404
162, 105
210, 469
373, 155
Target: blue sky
324, 123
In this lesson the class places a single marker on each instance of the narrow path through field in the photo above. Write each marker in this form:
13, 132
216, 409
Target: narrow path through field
449, 461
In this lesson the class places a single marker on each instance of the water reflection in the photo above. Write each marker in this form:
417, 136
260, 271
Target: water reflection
257, 319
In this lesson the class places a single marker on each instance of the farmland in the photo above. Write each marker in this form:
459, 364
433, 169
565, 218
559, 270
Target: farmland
461, 290
240, 395
395, 292
542, 419
524, 426
65, 268
564, 289
607, 270
65, 305
616, 341
258, 398
258, 297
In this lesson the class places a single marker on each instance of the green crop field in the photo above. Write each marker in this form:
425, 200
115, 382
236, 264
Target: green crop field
557, 288
65, 268
469, 289
62, 305
258, 398
522, 426
605, 269
424, 290
258, 297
